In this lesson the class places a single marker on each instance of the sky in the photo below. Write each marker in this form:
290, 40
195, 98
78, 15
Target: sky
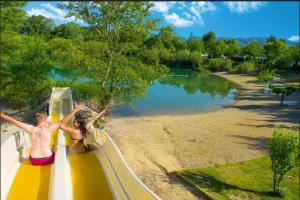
226, 19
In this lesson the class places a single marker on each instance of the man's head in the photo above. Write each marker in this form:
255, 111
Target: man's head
41, 116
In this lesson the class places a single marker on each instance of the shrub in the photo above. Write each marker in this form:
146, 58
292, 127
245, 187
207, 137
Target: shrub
284, 150
247, 67
218, 64
266, 75
196, 59
284, 90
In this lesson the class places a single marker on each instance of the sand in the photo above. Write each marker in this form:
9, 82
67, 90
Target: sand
156, 146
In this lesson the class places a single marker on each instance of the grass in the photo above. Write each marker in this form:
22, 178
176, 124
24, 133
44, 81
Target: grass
251, 179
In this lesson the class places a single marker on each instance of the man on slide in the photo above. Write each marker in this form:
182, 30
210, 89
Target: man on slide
40, 135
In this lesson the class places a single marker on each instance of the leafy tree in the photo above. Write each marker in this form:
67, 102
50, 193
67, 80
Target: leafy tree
253, 49
232, 48
284, 90
167, 35
70, 31
276, 52
27, 70
217, 48
247, 67
12, 15
195, 44
284, 150
38, 25
122, 69
208, 38
266, 75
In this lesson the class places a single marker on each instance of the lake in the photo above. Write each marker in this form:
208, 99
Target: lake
181, 91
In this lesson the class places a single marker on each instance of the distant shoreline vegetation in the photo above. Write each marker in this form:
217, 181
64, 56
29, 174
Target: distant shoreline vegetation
121, 54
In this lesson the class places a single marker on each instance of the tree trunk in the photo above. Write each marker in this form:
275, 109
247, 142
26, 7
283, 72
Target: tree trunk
274, 183
282, 97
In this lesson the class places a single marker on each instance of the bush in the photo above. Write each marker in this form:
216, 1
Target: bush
247, 67
284, 150
266, 75
196, 59
218, 64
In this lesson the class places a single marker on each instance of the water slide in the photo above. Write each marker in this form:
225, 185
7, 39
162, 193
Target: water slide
98, 174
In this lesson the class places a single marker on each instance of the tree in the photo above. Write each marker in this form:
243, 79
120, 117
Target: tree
195, 44
253, 49
121, 69
284, 90
276, 52
70, 31
26, 78
209, 37
12, 15
266, 75
232, 48
284, 150
38, 26
217, 48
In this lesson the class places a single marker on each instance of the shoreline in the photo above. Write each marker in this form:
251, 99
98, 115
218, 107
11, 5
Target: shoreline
219, 74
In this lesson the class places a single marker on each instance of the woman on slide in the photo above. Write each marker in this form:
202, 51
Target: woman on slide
78, 132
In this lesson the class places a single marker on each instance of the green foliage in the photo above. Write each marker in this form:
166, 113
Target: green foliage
284, 150
253, 49
266, 75
70, 31
219, 64
25, 75
232, 48
38, 26
247, 67
209, 37
277, 53
12, 15
195, 44
283, 90
217, 48
120, 68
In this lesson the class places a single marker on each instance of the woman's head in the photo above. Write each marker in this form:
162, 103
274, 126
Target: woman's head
79, 123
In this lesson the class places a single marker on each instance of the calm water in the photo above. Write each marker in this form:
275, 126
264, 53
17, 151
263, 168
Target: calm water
182, 91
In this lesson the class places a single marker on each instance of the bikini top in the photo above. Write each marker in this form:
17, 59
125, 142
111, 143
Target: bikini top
80, 140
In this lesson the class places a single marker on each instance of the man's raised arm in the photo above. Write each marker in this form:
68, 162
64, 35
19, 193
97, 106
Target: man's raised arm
67, 117
22, 125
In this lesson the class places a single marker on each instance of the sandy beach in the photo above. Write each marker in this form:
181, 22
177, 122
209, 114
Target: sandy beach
156, 146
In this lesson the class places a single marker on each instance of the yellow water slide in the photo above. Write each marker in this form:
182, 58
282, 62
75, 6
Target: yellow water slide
99, 174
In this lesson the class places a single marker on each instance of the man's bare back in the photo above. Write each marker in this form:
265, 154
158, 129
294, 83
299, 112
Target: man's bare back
40, 135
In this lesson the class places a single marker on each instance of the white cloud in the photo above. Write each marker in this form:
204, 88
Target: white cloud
243, 6
43, 12
163, 7
177, 21
189, 12
294, 38
52, 13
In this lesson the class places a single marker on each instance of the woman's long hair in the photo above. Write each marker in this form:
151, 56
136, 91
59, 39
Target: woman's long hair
82, 126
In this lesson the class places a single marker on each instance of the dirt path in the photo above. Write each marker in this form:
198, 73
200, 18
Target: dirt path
155, 146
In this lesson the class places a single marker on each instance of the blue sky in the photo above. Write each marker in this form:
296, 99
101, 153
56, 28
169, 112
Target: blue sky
226, 19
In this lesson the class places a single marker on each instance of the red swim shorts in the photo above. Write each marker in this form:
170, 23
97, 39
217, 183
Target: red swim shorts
42, 161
